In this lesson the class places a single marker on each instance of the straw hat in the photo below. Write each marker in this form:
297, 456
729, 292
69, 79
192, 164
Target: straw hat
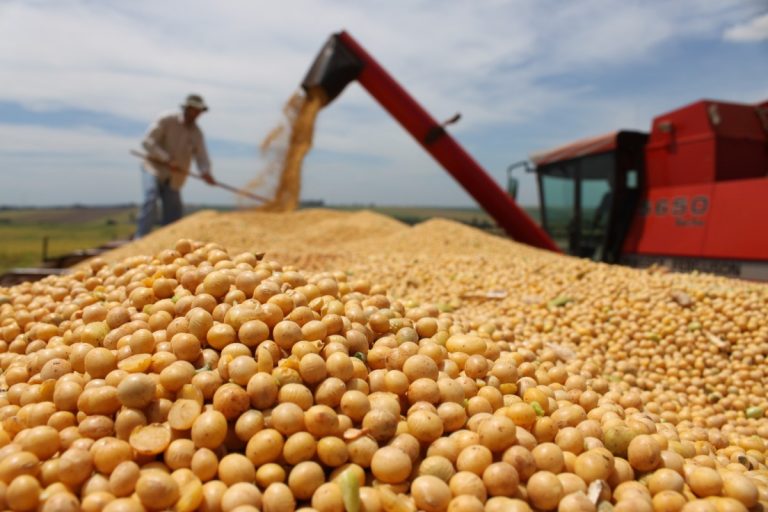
195, 101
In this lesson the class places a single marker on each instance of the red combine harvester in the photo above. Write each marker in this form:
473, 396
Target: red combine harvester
691, 195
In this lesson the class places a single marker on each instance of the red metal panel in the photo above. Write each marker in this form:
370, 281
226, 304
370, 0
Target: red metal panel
742, 141
737, 224
707, 141
722, 220
401, 105
673, 220
578, 149
680, 149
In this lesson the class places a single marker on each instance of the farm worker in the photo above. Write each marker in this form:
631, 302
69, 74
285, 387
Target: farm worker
171, 143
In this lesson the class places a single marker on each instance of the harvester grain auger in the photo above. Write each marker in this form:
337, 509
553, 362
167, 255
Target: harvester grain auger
343, 60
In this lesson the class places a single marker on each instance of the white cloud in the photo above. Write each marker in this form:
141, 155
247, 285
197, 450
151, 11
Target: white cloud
27, 138
750, 31
134, 59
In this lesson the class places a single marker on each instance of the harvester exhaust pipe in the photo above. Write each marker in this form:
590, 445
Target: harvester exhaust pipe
334, 67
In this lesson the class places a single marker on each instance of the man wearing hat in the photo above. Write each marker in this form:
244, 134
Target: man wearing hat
171, 144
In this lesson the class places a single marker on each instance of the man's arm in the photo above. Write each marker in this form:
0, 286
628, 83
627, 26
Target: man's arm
202, 160
152, 139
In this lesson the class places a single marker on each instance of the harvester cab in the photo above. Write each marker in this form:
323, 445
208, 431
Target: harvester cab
588, 191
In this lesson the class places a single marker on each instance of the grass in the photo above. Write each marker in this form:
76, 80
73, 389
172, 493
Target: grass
67, 229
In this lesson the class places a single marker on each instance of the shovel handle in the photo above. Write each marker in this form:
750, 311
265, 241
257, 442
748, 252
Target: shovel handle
173, 168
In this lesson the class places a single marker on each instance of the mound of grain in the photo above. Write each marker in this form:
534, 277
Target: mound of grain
199, 377
293, 234
636, 325
443, 236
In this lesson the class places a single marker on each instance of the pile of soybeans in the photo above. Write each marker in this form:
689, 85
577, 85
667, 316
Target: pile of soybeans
336, 361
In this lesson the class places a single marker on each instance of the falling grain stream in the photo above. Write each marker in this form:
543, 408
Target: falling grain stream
285, 148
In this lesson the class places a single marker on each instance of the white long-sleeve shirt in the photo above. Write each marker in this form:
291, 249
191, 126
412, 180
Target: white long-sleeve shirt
171, 140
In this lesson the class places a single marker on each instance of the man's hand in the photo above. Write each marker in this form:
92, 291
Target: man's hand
209, 179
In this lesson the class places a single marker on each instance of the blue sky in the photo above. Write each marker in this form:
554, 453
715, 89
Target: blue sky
81, 80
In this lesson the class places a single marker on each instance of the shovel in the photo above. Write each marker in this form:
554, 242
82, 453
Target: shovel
173, 168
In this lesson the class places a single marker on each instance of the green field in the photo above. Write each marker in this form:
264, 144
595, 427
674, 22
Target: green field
23, 231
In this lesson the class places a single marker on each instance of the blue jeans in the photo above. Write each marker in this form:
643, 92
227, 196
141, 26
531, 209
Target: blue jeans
155, 189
